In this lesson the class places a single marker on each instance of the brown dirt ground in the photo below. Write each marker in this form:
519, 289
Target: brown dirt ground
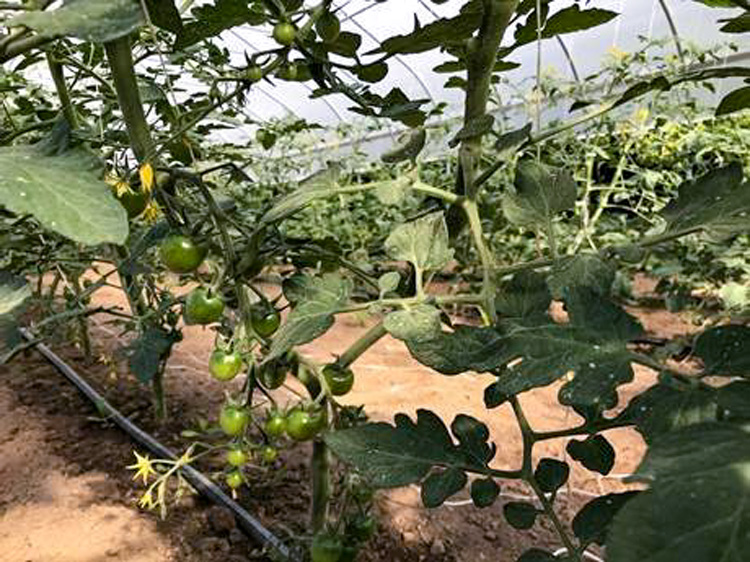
66, 497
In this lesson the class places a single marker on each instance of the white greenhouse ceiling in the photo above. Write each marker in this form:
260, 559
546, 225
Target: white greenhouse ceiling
376, 21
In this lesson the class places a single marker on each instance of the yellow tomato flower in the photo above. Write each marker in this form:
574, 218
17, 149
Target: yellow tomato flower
143, 467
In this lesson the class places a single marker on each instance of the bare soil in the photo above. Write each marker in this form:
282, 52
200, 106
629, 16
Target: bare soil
65, 495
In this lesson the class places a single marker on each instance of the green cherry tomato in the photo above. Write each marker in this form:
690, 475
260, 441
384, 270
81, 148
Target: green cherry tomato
269, 454
326, 547
275, 425
180, 254
300, 425
234, 479
236, 457
340, 381
254, 73
361, 528
224, 366
288, 72
272, 376
134, 202
328, 27
203, 308
265, 320
233, 420
284, 33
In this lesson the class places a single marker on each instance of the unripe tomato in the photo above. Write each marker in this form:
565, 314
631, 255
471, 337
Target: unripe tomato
236, 457
269, 454
275, 425
272, 376
134, 201
224, 366
233, 420
288, 71
284, 33
254, 73
180, 254
326, 547
234, 479
328, 27
265, 320
202, 308
300, 425
340, 381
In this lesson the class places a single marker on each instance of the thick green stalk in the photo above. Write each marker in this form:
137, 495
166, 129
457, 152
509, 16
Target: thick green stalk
481, 57
361, 345
120, 59
58, 77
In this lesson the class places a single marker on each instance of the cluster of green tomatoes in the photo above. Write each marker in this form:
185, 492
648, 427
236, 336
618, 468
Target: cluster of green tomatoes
300, 422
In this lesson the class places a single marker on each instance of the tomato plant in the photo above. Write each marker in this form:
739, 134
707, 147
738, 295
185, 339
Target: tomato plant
521, 218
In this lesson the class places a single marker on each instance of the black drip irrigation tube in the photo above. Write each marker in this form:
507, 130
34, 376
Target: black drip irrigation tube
249, 524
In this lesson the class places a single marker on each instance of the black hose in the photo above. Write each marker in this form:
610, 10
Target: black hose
251, 526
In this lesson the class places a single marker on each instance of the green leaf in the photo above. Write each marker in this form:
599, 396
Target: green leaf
663, 408
164, 14
63, 191
540, 194
319, 185
442, 484
595, 453
551, 474
734, 101
734, 401
508, 143
574, 19
211, 20
388, 282
475, 128
389, 456
148, 351
592, 346
415, 323
318, 298
592, 522
587, 271
740, 24
408, 149
346, 45
13, 292
484, 492
438, 33
473, 436
526, 297
423, 242
717, 202
520, 515
98, 21
467, 348
725, 350
698, 506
